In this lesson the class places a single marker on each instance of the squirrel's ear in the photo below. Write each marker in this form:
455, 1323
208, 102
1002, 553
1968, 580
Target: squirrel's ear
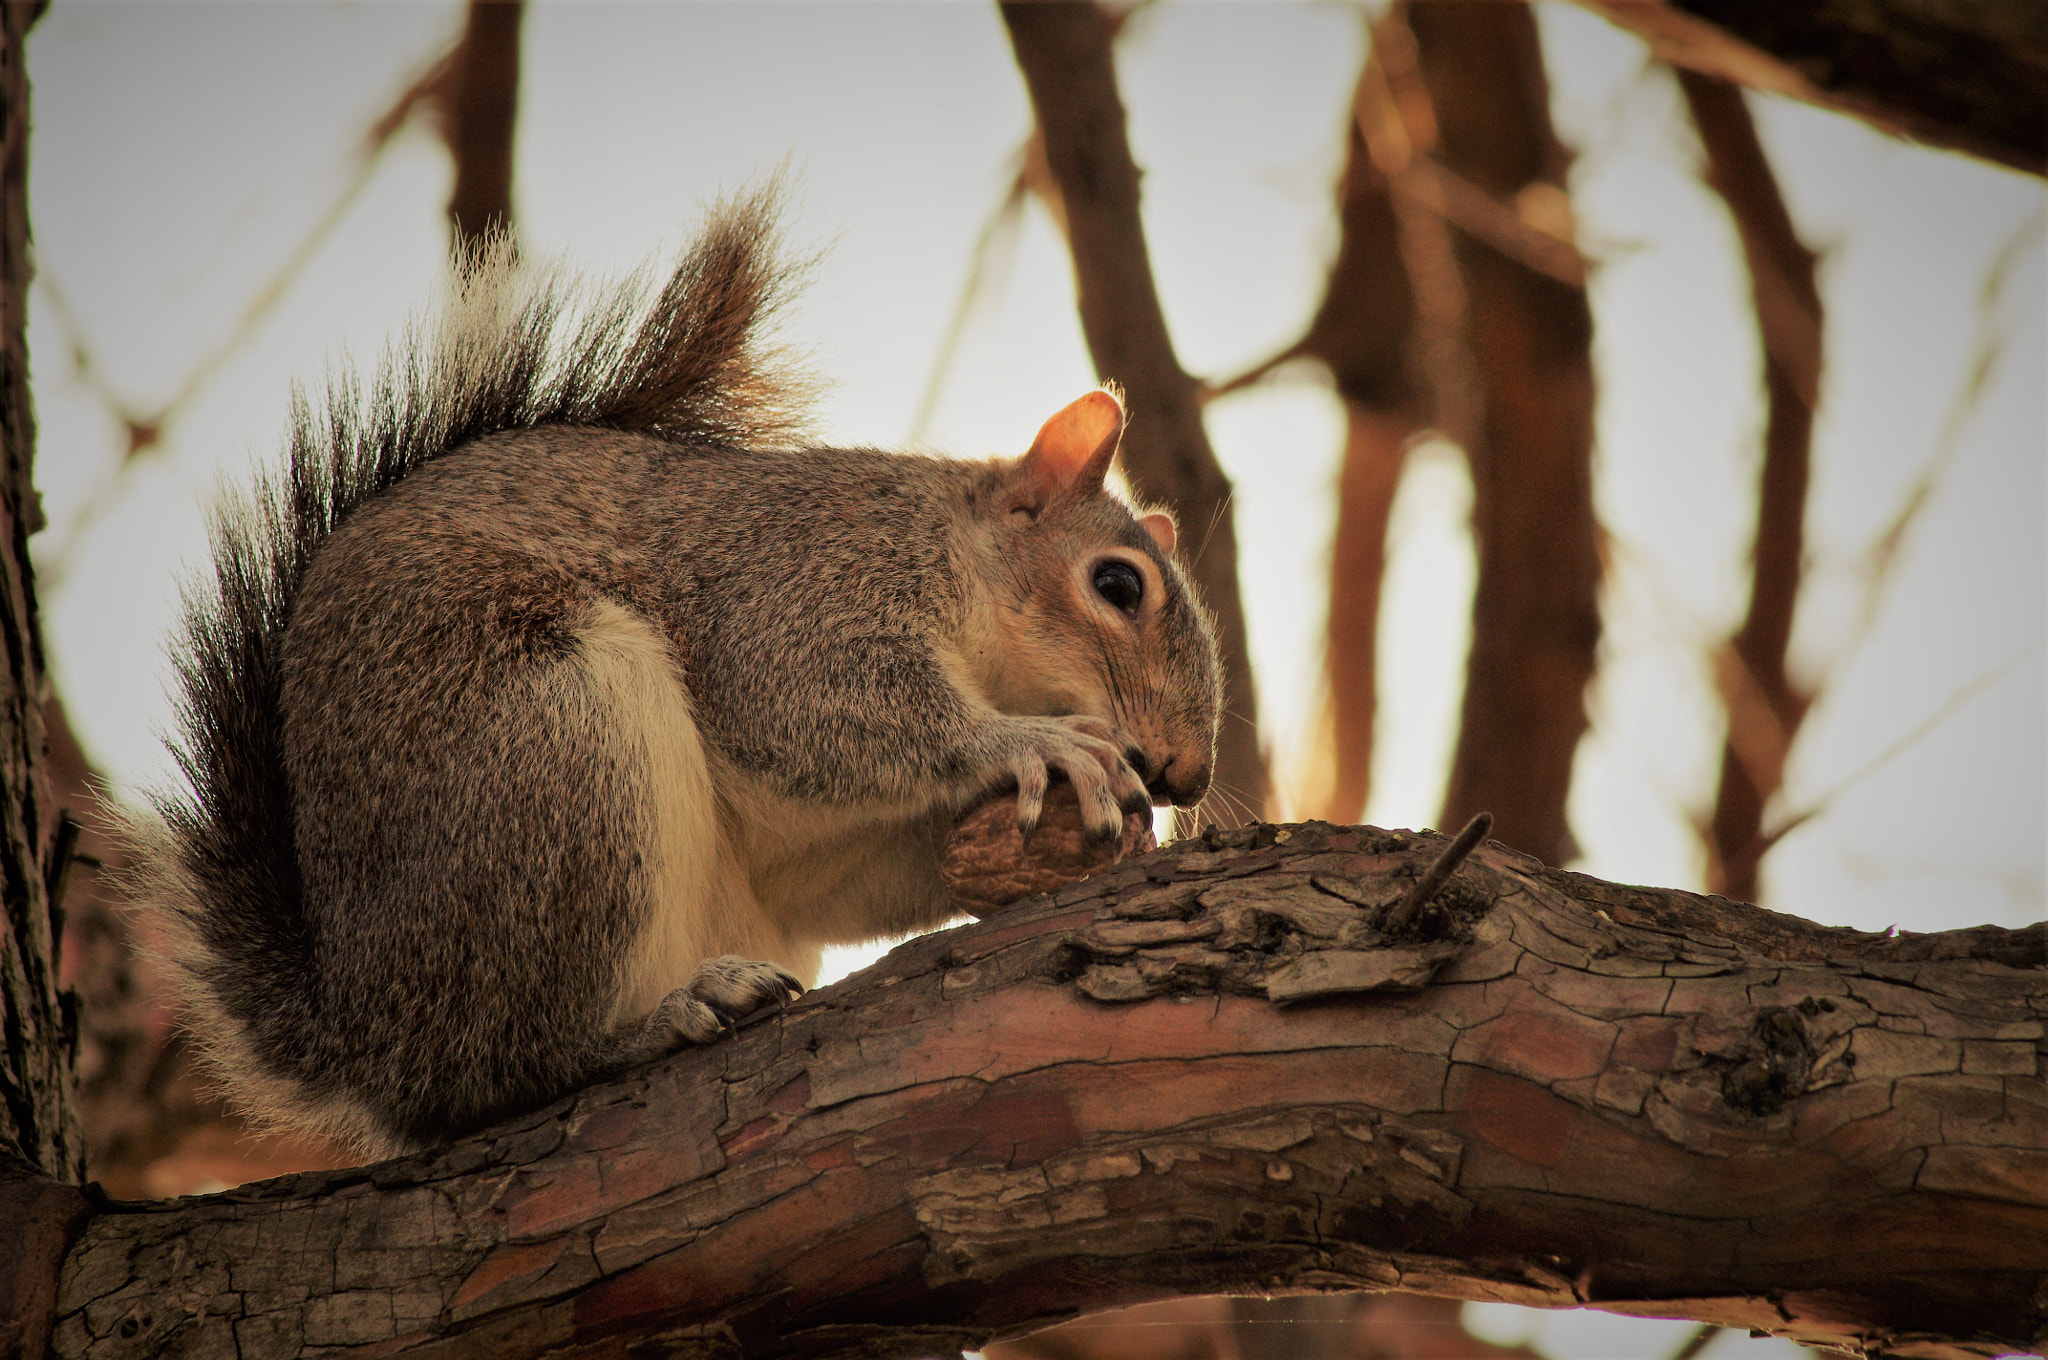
1162, 531
1072, 453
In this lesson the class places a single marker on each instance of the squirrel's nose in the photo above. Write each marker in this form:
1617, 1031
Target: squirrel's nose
1177, 781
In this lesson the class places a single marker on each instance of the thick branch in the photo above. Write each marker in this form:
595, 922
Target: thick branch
1063, 49
1207, 1070
1535, 611
1970, 75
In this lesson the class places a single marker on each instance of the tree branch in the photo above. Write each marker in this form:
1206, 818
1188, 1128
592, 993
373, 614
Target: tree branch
480, 107
1764, 707
1063, 50
1206, 1071
38, 1120
1535, 609
1970, 75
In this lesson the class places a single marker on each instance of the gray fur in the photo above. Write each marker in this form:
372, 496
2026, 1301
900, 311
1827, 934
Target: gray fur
412, 872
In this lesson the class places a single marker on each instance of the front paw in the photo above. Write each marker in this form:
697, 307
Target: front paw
1091, 753
721, 991
986, 864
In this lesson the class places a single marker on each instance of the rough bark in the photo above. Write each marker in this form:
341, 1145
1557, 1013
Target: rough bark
36, 1115
1207, 1070
481, 108
1535, 613
1063, 50
1970, 75
151, 1126
135, 1090
1764, 707
42, 1156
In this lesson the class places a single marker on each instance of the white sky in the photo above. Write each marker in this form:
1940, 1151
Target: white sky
183, 151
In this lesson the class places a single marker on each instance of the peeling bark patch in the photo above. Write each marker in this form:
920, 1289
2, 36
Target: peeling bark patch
508, 1264
2016, 1174
1343, 1172
1541, 1040
1290, 934
1334, 972
1518, 1118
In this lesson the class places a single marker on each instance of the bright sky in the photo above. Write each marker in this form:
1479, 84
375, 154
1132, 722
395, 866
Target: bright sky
183, 152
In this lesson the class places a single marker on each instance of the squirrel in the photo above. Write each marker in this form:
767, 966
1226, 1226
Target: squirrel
558, 703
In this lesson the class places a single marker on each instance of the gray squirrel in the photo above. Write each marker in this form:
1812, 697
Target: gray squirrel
557, 705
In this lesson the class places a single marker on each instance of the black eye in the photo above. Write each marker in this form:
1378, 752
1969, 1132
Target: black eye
1120, 584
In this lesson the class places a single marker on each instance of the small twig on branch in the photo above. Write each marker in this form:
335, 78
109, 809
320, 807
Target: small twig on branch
1883, 554
1259, 371
1510, 230
1404, 913
1954, 704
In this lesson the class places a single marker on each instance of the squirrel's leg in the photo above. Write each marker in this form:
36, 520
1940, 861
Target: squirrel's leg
706, 955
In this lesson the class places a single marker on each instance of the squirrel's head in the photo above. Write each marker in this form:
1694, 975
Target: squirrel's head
1092, 613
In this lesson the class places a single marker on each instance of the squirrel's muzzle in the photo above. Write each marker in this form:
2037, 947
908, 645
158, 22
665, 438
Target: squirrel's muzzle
1179, 781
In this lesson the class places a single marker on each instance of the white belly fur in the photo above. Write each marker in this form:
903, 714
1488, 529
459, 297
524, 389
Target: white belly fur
702, 903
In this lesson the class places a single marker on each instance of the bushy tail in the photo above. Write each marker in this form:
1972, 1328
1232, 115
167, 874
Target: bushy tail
515, 347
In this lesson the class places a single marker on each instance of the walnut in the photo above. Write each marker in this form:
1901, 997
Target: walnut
987, 864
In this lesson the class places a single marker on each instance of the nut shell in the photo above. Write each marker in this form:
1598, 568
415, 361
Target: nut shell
987, 864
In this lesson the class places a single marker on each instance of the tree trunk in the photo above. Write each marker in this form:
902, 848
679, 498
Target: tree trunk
36, 1115
1535, 611
42, 1156
1211, 1069
481, 109
1970, 75
1064, 52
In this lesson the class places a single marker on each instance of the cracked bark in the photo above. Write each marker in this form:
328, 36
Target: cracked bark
1207, 1070
36, 1115
41, 1152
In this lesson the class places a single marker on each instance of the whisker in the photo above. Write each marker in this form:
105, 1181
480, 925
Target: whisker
1233, 802
1216, 514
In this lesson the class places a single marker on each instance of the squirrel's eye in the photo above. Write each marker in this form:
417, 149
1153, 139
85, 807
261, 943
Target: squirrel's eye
1120, 584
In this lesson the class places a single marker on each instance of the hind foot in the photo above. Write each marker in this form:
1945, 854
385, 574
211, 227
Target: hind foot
720, 992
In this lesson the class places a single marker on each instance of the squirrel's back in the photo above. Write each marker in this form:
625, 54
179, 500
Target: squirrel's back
555, 708
224, 861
